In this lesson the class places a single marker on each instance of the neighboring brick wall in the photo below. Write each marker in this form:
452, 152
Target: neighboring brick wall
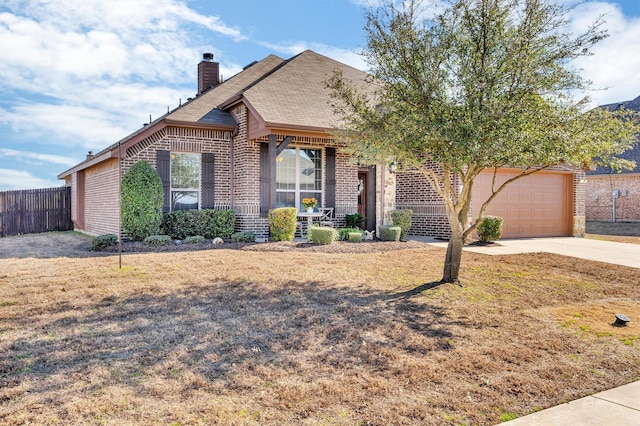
102, 192
579, 191
599, 200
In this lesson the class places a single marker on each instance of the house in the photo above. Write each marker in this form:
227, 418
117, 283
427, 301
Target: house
615, 197
262, 139
259, 140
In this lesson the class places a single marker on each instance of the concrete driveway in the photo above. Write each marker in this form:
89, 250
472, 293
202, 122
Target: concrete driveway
582, 248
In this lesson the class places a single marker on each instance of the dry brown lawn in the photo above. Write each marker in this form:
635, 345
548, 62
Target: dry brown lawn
239, 337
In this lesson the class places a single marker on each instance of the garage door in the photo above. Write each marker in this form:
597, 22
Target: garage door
539, 205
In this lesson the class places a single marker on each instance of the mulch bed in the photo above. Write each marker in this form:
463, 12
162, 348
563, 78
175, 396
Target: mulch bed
279, 246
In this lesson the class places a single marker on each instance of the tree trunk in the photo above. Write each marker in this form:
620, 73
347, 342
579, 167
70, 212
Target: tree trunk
452, 260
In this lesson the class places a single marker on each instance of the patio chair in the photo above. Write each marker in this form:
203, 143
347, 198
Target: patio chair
327, 216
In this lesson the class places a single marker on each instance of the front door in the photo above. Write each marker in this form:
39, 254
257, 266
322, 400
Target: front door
367, 198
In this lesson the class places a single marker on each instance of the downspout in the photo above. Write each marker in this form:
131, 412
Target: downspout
231, 169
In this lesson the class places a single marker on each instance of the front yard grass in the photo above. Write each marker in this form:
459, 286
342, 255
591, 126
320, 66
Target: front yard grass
240, 337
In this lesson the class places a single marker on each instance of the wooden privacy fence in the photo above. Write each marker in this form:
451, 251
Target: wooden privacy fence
35, 210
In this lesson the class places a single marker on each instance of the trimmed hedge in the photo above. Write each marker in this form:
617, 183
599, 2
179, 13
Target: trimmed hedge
321, 235
194, 239
402, 218
243, 237
209, 223
355, 237
343, 233
390, 232
104, 241
282, 223
490, 229
157, 240
141, 201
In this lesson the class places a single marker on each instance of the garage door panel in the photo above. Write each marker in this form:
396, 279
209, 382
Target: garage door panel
535, 206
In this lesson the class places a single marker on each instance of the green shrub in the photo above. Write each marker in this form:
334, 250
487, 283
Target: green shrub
490, 228
157, 240
208, 223
390, 232
402, 218
343, 233
217, 223
180, 224
141, 201
243, 237
194, 239
321, 235
355, 237
103, 241
282, 223
354, 220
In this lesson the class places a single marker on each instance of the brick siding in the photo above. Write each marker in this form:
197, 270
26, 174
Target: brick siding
102, 198
599, 200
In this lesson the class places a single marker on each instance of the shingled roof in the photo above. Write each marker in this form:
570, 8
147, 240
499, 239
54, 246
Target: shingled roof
632, 154
295, 94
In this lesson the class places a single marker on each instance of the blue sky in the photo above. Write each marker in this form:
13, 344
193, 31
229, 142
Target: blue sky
78, 75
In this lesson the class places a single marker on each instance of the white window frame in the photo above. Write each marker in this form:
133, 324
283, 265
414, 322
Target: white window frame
297, 191
173, 189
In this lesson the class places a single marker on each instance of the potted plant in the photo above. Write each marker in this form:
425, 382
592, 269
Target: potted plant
309, 204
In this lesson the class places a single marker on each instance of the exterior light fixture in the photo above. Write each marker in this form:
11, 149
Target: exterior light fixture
393, 166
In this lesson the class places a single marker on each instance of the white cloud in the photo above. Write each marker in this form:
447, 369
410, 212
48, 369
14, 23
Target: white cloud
11, 179
615, 64
346, 56
36, 157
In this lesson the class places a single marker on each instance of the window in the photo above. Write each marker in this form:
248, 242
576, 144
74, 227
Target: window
298, 176
185, 181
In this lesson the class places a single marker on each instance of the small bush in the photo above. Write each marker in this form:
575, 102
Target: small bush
321, 235
402, 218
490, 228
102, 242
343, 233
208, 223
355, 237
157, 240
354, 220
243, 237
194, 239
390, 232
282, 223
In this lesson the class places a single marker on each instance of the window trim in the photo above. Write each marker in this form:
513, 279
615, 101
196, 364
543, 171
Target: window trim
172, 188
297, 190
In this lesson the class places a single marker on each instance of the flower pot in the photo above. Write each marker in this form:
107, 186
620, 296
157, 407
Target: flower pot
309, 209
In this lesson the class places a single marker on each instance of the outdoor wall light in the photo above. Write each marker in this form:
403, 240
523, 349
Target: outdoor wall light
621, 320
393, 166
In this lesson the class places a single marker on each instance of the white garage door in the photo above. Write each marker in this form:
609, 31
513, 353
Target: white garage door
539, 205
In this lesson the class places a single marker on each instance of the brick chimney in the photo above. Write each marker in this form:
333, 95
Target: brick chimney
208, 73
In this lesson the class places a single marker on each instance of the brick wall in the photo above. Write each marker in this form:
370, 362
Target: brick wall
102, 197
599, 200
429, 214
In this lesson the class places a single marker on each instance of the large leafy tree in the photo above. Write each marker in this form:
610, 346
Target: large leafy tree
484, 84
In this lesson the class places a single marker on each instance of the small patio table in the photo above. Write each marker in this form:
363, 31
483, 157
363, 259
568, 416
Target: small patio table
310, 217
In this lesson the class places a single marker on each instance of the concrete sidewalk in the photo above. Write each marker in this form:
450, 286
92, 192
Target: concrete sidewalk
616, 407
601, 251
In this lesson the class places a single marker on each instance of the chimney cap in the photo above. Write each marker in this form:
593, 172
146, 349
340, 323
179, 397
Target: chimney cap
207, 57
